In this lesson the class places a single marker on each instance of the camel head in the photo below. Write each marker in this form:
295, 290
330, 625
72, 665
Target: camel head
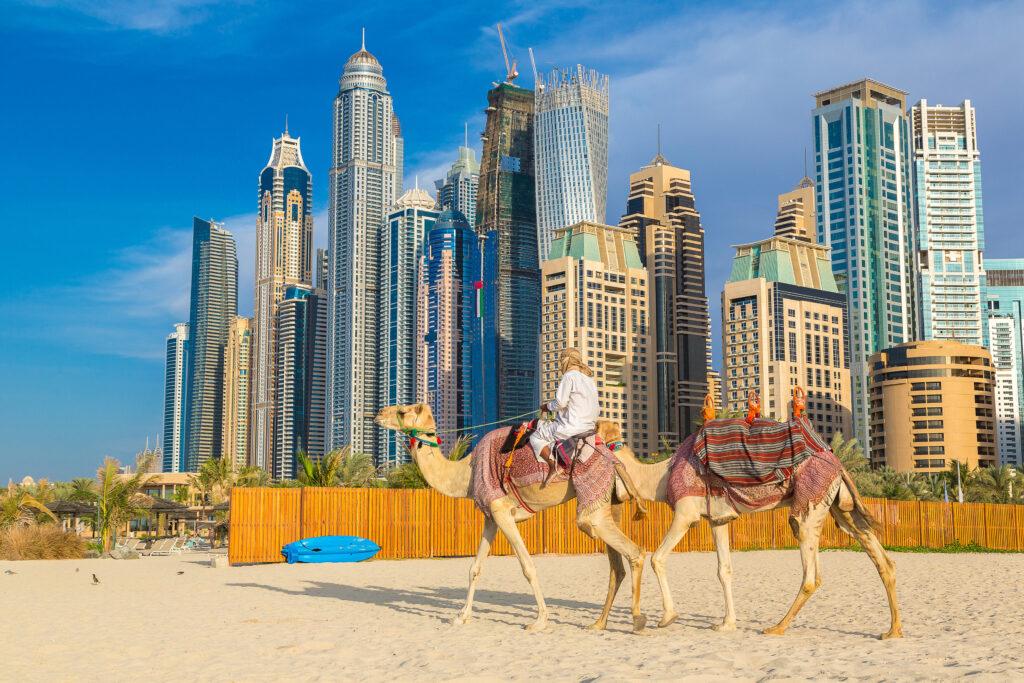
609, 431
405, 418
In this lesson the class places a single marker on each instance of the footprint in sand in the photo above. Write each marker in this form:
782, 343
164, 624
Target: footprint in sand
304, 648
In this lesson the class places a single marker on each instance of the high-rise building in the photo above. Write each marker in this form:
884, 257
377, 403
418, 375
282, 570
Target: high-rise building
301, 379
784, 325
213, 305
950, 223
176, 387
931, 404
507, 217
448, 326
596, 295
237, 374
457, 190
796, 214
661, 212
1004, 301
365, 180
401, 244
571, 147
284, 244
864, 198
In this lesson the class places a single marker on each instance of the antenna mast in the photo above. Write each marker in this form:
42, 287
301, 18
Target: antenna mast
510, 70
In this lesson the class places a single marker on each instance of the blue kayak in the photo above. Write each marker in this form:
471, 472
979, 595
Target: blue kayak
330, 549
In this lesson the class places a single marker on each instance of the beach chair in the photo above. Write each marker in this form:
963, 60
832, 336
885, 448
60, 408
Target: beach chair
161, 547
176, 546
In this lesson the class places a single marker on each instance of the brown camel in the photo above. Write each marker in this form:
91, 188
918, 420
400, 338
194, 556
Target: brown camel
454, 479
843, 503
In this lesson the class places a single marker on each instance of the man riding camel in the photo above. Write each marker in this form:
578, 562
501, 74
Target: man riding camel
575, 408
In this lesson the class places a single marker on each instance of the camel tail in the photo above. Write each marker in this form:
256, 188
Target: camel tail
862, 517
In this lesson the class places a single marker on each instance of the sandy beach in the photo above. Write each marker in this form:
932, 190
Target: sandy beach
963, 616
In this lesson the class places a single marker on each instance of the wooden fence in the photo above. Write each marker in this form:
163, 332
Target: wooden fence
420, 523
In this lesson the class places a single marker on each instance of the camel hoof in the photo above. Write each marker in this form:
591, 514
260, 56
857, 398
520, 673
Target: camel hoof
774, 631
460, 619
599, 625
639, 623
667, 620
725, 627
537, 626
893, 633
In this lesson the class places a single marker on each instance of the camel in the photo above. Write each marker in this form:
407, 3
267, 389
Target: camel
844, 504
454, 479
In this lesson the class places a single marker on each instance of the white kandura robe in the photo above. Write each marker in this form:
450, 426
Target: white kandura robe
576, 408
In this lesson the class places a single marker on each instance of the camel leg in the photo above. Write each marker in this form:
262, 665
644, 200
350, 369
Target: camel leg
506, 522
720, 533
601, 525
616, 573
486, 541
685, 516
808, 533
886, 569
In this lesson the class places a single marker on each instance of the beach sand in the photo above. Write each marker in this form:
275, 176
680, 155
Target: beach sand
963, 615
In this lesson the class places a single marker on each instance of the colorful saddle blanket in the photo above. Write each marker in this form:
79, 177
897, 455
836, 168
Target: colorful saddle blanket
592, 477
764, 452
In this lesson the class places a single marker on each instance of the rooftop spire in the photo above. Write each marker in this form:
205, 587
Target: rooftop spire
364, 39
465, 134
286, 124
658, 159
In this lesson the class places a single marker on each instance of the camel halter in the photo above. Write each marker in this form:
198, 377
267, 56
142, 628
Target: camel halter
414, 435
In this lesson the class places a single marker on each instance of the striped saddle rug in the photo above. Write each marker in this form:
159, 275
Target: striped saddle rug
763, 452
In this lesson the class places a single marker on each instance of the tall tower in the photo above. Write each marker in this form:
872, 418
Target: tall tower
507, 218
365, 180
571, 141
596, 294
661, 212
448, 340
863, 192
796, 213
213, 305
1004, 304
237, 363
401, 243
175, 398
284, 243
950, 223
457, 190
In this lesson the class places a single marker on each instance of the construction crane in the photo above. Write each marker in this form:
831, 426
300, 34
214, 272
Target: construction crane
537, 85
510, 69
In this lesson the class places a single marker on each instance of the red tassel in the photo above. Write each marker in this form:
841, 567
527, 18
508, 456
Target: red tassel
439, 441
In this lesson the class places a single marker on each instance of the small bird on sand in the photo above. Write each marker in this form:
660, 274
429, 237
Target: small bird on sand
8, 571
95, 580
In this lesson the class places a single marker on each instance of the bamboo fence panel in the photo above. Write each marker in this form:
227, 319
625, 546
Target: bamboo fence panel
421, 523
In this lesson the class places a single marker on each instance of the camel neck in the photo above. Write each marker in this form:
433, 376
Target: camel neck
449, 477
651, 479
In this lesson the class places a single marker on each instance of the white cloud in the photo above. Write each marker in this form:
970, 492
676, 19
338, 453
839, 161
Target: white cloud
157, 16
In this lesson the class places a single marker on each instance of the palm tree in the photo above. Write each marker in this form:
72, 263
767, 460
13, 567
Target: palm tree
252, 476
323, 472
116, 498
849, 452
996, 482
356, 470
213, 480
407, 476
18, 506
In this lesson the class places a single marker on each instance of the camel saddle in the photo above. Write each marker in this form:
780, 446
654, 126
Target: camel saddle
751, 453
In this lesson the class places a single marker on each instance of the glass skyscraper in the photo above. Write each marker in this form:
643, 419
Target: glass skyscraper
365, 180
175, 398
448, 324
571, 146
284, 244
507, 218
213, 305
457, 190
401, 243
864, 197
1004, 300
950, 223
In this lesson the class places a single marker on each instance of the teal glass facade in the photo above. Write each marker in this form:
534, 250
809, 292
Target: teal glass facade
1004, 302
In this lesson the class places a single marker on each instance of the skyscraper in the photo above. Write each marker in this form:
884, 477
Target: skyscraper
448, 330
506, 216
784, 325
176, 387
796, 213
864, 198
301, 375
1004, 301
596, 300
401, 244
284, 243
571, 146
213, 305
365, 180
950, 223
237, 364
661, 213
457, 190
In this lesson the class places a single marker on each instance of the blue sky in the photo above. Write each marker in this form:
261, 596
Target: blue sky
125, 119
